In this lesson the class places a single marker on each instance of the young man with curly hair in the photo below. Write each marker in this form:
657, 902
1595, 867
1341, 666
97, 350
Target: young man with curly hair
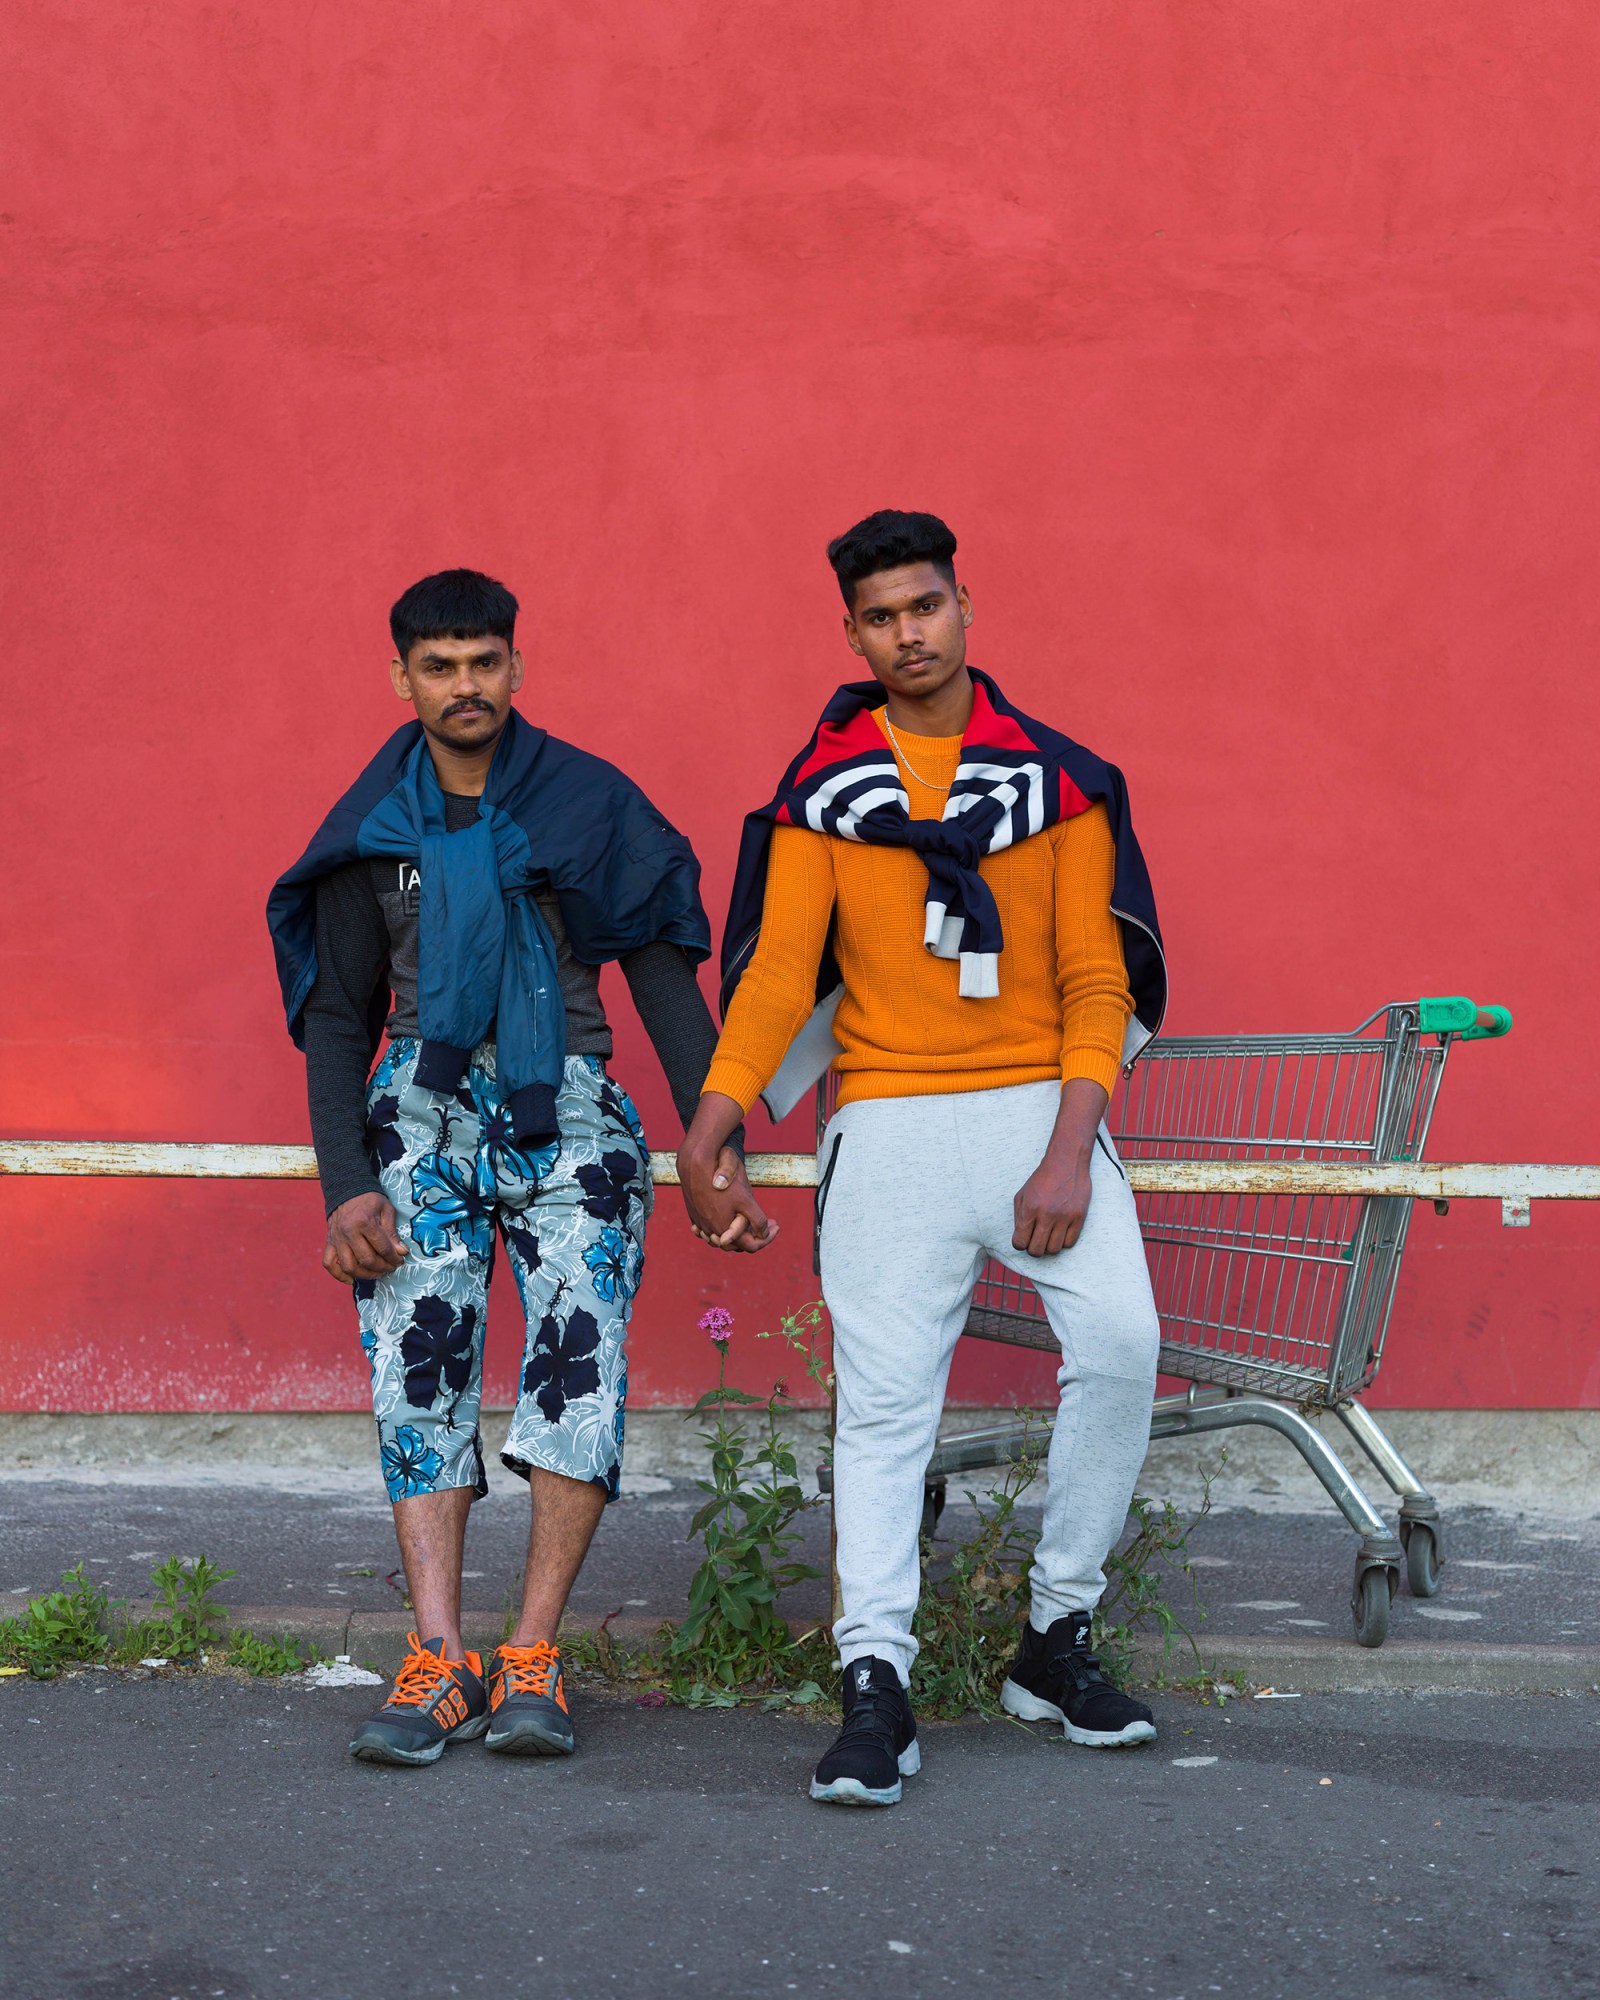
462, 897
954, 890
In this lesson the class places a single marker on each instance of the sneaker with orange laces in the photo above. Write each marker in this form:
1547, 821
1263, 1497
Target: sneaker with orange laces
527, 1703
434, 1701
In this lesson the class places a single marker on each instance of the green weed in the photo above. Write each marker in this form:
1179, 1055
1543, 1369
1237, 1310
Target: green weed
80, 1625
974, 1599
186, 1619
266, 1658
801, 1330
62, 1628
734, 1636
1137, 1582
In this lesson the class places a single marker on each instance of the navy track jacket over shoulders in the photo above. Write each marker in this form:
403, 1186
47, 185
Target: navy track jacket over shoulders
551, 816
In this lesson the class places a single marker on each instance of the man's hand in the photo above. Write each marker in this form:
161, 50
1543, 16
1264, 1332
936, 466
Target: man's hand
362, 1240
1054, 1200
723, 1210
1051, 1206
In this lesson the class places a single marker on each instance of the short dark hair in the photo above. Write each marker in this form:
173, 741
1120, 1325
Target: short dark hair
455, 604
890, 539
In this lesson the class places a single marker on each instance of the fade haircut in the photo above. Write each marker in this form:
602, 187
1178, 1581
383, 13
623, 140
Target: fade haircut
890, 539
455, 604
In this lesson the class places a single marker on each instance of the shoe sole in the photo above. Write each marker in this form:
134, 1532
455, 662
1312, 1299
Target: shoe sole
851, 1791
1030, 1708
378, 1752
527, 1739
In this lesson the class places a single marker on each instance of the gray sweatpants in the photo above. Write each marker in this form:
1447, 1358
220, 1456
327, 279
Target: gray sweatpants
919, 1195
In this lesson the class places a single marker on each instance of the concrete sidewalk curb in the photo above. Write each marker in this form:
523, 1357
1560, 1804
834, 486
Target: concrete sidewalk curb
1400, 1666
377, 1639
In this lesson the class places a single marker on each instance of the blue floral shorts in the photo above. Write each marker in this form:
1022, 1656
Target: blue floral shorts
573, 1219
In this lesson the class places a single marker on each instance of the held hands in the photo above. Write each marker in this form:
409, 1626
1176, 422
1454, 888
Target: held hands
362, 1240
1052, 1203
723, 1210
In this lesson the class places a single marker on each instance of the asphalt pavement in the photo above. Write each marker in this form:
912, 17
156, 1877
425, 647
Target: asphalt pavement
163, 1839
192, 1835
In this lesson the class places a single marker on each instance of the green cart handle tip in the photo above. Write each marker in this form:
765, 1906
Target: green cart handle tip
1455, 1014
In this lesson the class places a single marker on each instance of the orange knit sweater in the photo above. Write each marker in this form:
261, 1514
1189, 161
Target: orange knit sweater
904, 1028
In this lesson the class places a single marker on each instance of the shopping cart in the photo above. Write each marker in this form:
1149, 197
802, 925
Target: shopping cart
1273, 1307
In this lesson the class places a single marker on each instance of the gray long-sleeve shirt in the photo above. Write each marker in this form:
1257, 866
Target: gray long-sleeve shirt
367, 926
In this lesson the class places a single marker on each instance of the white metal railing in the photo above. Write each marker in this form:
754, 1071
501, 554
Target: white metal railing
1514, 1186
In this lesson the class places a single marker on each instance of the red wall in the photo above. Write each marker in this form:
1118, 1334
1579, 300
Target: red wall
1250, 347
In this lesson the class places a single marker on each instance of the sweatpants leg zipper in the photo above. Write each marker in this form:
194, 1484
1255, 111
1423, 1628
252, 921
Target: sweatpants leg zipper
827, 1179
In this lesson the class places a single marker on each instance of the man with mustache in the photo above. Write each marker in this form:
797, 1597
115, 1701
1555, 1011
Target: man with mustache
955, 889
468, 887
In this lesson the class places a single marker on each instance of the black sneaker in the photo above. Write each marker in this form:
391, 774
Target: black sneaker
528, 1703
434, 1701
1055, 1678
877, 1746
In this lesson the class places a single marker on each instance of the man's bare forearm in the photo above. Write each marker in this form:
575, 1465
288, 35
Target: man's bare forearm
716, 1118
1083, 1105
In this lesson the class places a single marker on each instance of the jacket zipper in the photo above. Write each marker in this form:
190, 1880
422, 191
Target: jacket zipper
1123, 917
735, 967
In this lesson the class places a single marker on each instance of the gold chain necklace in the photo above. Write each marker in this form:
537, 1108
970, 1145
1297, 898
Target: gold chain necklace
899, 751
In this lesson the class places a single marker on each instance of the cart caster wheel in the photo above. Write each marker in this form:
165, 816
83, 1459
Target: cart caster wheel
933, 1492
1423, 1560
1369, 1605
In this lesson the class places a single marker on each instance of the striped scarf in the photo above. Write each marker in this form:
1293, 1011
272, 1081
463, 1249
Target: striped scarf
1006, 789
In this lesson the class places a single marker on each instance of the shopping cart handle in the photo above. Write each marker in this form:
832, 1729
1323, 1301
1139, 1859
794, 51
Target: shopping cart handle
1456, 1015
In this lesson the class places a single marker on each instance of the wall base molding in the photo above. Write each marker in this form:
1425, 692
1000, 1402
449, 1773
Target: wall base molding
1529, 1461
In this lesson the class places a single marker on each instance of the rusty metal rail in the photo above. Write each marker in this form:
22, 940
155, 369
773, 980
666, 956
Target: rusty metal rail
164, 1160
1515, 1186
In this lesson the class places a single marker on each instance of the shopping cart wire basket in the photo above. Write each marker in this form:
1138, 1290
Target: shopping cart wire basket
1273, 1307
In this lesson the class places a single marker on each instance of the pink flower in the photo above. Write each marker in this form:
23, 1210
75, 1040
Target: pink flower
717, 1321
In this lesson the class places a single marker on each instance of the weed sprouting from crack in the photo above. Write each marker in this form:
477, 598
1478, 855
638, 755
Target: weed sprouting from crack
81, 1625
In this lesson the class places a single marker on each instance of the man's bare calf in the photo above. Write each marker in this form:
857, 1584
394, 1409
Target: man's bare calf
431, 1530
